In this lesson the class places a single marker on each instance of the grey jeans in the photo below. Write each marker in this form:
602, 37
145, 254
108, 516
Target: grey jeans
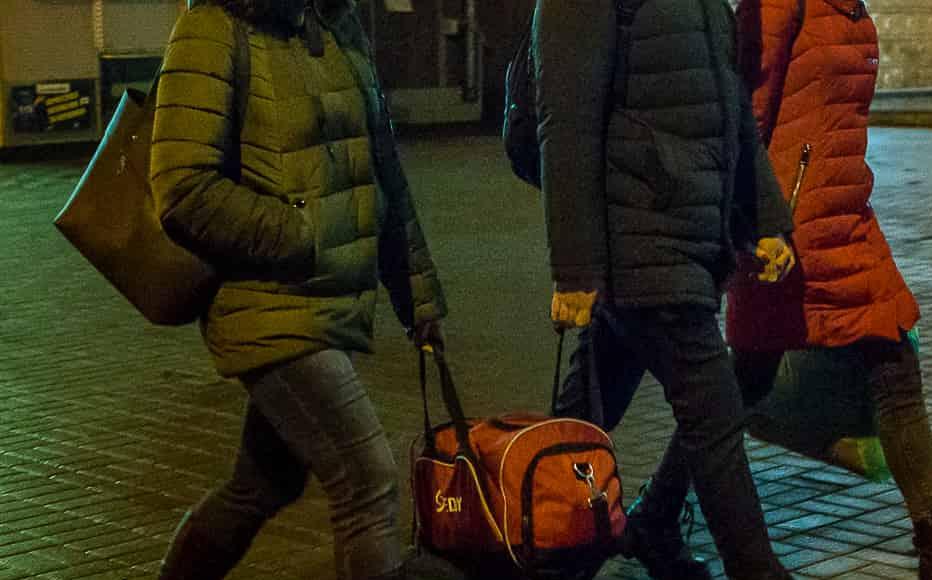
311, 416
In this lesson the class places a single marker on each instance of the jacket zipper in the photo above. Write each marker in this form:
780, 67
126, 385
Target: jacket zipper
800, 175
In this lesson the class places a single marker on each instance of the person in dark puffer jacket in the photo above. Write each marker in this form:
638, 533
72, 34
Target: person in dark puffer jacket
315, 212
652, 177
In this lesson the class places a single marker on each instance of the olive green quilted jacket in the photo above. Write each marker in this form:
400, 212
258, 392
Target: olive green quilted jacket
317, 212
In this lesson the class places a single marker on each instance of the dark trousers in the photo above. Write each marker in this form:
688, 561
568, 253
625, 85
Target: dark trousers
894, 380
308, 417
683, 349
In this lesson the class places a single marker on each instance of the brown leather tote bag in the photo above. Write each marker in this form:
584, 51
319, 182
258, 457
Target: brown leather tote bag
111, 217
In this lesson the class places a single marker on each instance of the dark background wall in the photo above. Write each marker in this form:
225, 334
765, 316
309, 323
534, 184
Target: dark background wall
407, 44
503, 22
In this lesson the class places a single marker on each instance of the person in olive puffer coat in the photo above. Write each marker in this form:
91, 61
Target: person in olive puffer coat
302, 211
653, 179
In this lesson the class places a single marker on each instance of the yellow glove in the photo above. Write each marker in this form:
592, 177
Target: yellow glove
572, 309
777, 258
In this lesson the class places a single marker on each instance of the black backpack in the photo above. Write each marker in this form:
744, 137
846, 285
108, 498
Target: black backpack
519, 129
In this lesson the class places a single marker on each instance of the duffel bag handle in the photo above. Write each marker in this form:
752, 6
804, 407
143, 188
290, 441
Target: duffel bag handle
555, 392
593, 392
451, 401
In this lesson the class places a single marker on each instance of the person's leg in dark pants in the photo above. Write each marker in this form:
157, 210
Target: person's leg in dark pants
603, 373
756, 372
656, 539
320, 414
683, 348
903, 427
653, 534
214, 535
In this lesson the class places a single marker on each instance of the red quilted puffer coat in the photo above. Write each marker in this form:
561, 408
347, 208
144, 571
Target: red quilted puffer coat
812, 65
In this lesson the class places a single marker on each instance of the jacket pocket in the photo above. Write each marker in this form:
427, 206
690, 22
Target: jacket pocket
306, 209
643, 157
670, 165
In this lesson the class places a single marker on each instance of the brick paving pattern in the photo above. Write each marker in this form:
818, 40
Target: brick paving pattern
110, 428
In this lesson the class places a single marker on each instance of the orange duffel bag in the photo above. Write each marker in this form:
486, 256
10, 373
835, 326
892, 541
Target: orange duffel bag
519, 495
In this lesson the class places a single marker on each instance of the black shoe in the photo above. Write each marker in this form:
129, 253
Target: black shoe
398, 574
420, 565
653, 536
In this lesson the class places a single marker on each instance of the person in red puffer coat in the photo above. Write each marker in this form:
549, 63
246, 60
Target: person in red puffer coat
812, 68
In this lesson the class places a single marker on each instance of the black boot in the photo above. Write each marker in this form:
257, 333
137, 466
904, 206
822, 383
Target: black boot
923, 542
398, 574
653, 536
193, 555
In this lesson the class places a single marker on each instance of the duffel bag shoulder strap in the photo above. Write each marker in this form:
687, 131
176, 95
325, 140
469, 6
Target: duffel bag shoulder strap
451, 401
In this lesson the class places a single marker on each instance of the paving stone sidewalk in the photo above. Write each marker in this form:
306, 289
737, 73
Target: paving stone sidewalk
110, 428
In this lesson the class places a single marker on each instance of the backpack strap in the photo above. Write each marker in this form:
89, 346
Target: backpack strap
241, 73
242, 70
241, 64
625, 11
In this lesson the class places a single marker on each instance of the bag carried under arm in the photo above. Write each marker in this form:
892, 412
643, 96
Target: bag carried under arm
112, 220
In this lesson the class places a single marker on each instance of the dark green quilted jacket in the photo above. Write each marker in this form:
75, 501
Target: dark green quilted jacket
318, 210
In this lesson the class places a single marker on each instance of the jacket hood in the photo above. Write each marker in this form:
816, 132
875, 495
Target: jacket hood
261, 12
